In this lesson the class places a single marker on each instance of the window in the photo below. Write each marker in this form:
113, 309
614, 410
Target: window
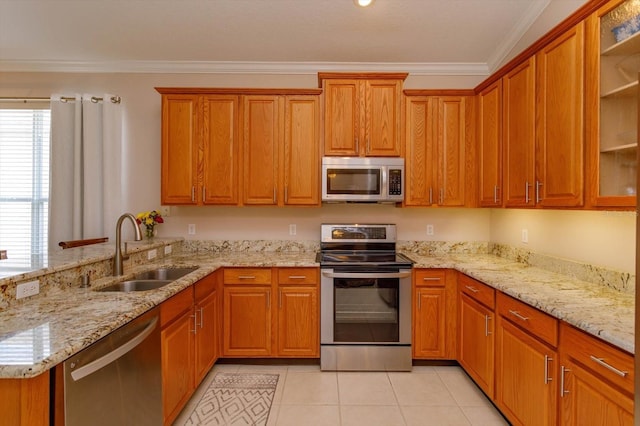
24, 187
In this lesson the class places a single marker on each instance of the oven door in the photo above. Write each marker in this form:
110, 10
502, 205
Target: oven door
372, 307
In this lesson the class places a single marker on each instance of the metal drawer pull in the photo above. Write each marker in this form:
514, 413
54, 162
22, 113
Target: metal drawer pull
517, 315
297, 277
495, 194
201, 317
609, 367
547, 379
486, 325
563, 370
246, 277
473, 289
195, 322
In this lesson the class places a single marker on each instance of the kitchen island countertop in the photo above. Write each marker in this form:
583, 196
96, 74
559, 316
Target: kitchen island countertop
44, 331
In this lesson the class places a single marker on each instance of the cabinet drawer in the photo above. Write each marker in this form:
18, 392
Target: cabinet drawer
478, 291
176, 306
528, 318
599, 357
430, 278
298, 276
247, 276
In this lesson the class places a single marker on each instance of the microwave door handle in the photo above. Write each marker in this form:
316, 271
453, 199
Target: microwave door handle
366, 274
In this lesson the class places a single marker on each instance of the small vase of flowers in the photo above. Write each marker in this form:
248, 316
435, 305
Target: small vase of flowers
149, 220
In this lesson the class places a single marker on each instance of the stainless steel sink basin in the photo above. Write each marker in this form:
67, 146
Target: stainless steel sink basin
164, 274
136, 285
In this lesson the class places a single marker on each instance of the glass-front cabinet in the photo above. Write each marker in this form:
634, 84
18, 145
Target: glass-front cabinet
613, 49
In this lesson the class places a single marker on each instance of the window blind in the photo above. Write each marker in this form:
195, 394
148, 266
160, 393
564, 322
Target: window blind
24, 187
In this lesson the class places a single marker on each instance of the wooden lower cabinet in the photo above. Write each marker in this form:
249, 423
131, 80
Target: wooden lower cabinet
434, 314
271, 312
526, 363
189, 337
597, 383
25, 402
476, 332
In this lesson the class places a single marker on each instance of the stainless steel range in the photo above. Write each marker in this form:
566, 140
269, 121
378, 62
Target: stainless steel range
365, 293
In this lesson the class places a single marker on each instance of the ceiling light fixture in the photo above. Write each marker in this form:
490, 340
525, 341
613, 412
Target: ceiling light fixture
363, 3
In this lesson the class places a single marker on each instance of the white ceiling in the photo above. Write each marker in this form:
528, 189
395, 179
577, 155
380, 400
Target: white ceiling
419, 36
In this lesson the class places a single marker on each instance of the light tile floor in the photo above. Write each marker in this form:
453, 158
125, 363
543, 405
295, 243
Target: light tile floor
426, 396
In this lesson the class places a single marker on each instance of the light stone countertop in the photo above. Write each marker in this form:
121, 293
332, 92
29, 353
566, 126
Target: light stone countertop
44, 331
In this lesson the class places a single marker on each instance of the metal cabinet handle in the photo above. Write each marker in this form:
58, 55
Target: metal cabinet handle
601, 361
201, 317
518, 315
275, 199
195, 323
495, 194
471, 288
487, 333
366, 275
441, 196
547, 379
563, 391
538, 185
526, 192
431, 279
193, 194
297, 277
246, 277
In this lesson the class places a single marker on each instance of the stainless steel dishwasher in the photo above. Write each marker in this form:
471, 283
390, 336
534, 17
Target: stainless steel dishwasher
118, 379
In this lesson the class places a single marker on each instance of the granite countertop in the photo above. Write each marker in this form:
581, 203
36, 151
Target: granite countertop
44, 331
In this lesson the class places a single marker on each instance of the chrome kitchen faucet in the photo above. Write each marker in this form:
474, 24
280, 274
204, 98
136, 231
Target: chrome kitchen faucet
119, 257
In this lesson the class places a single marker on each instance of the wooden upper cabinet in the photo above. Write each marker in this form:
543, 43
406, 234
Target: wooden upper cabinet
301, 162
362, 114
262, 117
219, 167
518, 131
611, 107
559, 121
490, 145
179, 149
438, 139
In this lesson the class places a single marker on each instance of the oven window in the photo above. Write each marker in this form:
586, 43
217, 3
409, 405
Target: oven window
353, 181
366, 310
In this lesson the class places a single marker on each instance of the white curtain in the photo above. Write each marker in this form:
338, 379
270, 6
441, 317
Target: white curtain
85, 198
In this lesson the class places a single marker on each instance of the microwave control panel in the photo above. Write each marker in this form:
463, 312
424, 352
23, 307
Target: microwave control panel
395, 182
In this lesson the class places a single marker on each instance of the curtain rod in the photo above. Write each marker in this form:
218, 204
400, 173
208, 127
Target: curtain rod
94, 99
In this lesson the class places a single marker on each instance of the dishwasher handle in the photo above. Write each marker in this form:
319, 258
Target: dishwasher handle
107, 359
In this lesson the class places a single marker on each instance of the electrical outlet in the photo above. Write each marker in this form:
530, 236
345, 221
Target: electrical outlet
429, 229
27, 289
167, 249
151, 254
192, 229
292, 229
165, 211
525, 236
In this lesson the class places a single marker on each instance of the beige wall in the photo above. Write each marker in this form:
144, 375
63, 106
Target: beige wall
602, 238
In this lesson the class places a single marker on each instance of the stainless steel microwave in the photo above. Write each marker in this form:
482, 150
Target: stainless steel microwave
363, 179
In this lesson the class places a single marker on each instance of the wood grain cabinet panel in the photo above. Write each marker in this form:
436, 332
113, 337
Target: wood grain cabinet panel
490, 145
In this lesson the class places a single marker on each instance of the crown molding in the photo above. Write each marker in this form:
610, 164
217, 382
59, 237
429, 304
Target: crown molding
213, 67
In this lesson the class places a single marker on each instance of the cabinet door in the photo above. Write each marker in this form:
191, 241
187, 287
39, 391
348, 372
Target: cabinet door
179, 149
298, 321
429, 328
518, 131
526, 390
177, 365
302, 151
559, 121
247, 321
476, 351
206, 351
451, 140
261, 139
420, 156
382, 117
490, 144
220, 149
342, 117
590, 401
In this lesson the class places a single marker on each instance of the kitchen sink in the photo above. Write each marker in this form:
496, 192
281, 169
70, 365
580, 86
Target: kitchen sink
164, 274
136, 285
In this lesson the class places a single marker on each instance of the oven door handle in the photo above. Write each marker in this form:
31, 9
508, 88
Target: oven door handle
366, 274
